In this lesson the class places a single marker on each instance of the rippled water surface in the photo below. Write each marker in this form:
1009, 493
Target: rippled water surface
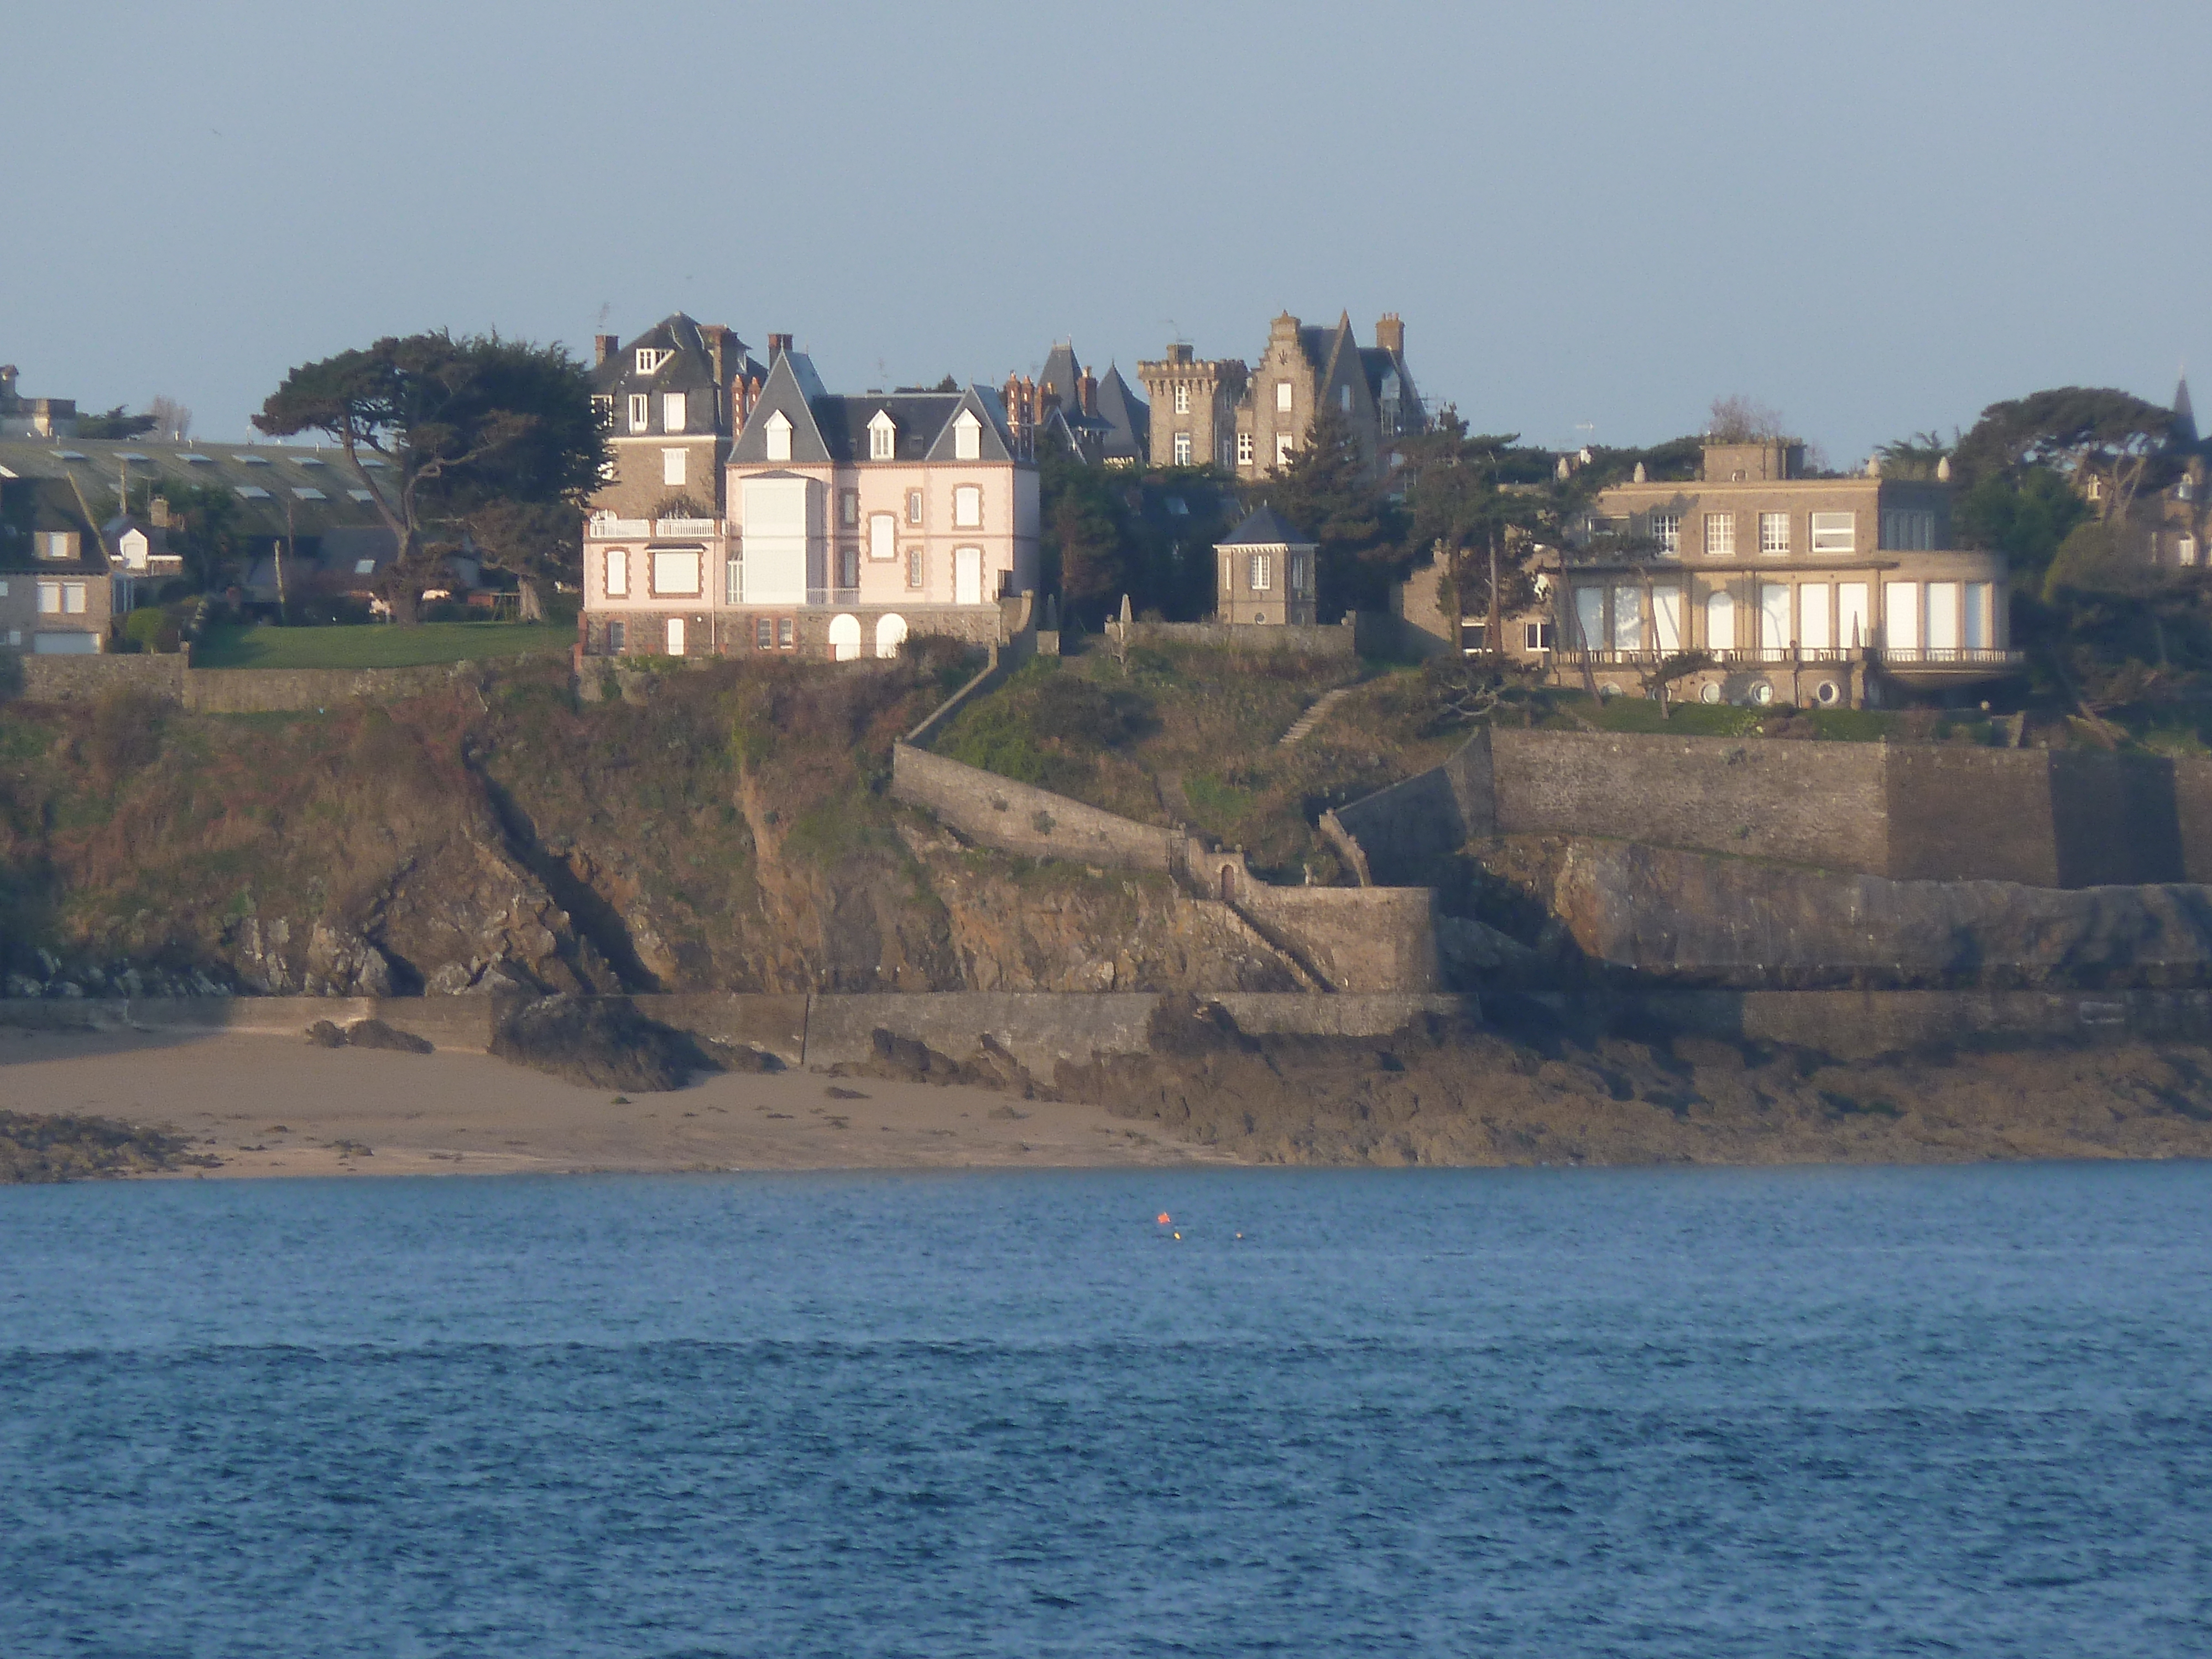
1801, 1412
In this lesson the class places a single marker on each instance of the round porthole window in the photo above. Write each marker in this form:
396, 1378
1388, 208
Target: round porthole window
1826, 695
1711, 692
1762, 694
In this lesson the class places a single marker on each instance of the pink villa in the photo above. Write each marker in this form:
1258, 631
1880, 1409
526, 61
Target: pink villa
825, 526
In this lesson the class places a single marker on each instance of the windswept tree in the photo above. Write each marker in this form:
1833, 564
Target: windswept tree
539, 543
2107, 445
467, 424
116, 422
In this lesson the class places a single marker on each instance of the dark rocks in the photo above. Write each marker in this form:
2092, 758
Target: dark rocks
906, 1059
599, 1042
37, 1146
366, 1034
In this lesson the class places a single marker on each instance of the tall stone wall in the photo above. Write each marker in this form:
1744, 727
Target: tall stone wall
1317, 641
1357, 939
227, 690
1016, 817
86, 679
1806, 803
1910, 811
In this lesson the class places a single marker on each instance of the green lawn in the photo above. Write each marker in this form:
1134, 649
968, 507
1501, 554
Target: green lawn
376, 645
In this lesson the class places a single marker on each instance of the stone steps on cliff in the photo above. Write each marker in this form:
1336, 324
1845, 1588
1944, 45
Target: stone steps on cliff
1313, 716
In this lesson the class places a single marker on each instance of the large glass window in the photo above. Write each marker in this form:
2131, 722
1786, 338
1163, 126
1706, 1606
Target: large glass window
1667, 532
1261, 573
618, 573
1182, 449
968, 507
1720, 535
1835, 533
676, 572
1628, 618
1773, 533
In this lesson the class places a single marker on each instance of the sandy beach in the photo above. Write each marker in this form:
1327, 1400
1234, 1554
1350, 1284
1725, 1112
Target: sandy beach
267, 1106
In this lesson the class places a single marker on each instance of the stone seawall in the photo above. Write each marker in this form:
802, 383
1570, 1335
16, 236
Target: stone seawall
1909, 811
1039, 1029
1863, 1025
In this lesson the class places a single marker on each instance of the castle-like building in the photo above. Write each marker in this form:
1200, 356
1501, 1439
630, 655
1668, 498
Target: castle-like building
1250, 420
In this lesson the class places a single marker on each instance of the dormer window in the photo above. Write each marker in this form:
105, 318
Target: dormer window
56, 544
966, 436
649, 359
779, 436
883, 437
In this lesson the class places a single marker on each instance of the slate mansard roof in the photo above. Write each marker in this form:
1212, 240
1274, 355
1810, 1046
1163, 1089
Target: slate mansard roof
321, 489
689, 366
828, 428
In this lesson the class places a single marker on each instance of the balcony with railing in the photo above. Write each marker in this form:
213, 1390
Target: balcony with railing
686, 527
1908, 661
606, 527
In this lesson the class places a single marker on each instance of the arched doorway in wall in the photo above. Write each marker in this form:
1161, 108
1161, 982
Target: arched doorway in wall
844, 637
890, 634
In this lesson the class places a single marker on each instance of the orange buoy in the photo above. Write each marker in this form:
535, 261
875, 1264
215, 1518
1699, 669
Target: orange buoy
1164, 1217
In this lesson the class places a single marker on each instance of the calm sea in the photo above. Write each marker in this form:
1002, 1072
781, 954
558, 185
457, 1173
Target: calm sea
1962, 1411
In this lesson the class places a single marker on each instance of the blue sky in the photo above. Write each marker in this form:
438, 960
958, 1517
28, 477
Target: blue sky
1593, 218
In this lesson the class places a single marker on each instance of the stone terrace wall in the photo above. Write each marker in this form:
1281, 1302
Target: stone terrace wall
1923, 811
1317, 641
1806, 803
1360, 940
85, 679
229, 690
1016, 817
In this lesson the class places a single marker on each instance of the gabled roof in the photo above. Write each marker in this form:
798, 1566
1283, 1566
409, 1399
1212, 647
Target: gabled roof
995, 442
1264, 527
1127, 416
322, 489
791, 390
28, 506
916, 417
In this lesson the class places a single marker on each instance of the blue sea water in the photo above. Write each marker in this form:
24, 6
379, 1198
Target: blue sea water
1801, 1412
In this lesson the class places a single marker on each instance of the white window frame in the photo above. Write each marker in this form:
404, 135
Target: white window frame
1283, 395
674, 414
674, 466
640, 412
1286, 447
1532, 636
50, 598
1182, 449
966, 436
778, 436
917, 568
1773, 535
1667, 531
883, 438
1183, 400
1834, 532
1720, 535
883, 536
2184, 550
1244, 449
968, 507
649, 360
615, 577
914, 507
671, 559
1259, 573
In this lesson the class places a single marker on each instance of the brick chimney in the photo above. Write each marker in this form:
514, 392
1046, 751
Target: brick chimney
716, 339
1086, 392
1390, 333
605, 346
778, 345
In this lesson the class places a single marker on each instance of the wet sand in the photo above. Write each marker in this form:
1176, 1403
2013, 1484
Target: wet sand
270, 1106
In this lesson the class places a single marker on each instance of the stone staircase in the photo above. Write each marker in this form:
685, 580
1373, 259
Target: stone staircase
1312, 717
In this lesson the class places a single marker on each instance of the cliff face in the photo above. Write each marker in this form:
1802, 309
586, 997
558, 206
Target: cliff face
1738, 922
727, 831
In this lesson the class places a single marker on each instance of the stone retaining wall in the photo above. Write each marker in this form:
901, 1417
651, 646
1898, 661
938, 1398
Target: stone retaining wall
1925, 812
1016, 817
1316, 642
232, 690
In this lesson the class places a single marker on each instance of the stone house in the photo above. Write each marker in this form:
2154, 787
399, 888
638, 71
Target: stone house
847, 524
1266, 573
2180, 517
1251, 420
1806, 590
671, 401
57, 585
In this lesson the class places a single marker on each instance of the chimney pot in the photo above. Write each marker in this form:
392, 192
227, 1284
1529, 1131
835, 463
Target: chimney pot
778, 345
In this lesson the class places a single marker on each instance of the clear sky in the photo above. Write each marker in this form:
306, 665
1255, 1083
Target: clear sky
1593, 218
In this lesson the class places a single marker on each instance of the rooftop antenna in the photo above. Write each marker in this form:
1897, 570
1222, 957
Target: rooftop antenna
1174, 332
1585, 428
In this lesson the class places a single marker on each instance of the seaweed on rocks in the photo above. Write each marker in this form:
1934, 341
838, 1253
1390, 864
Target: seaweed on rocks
40, 1146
